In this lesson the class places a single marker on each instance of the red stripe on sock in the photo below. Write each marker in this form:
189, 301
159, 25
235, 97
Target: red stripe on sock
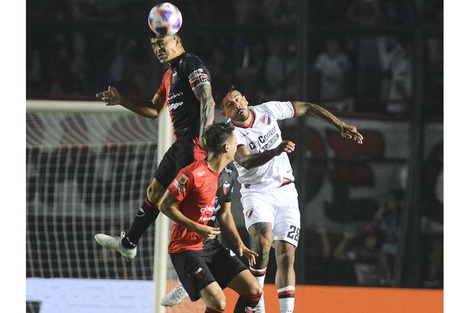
286, 294
252, 298
150, 204
258, 273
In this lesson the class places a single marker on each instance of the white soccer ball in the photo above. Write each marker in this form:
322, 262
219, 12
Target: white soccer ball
165, 19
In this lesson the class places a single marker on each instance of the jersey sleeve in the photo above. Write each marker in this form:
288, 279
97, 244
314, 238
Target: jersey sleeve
280, 110
182, 185
165, 85
196, 71
228, 197
231, 180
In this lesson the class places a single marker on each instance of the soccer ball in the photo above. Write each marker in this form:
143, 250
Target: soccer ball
165, 19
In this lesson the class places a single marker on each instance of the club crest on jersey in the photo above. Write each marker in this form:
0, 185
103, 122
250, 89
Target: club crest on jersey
248, 213
183, 179
265, 119
226, 186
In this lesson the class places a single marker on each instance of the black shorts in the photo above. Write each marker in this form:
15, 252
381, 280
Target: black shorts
180, 154
197, 269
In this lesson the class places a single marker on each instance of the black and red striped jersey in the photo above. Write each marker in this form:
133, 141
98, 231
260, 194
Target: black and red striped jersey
195, 187
184, 74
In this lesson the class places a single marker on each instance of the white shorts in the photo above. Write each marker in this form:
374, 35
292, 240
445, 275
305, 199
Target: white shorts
279, 207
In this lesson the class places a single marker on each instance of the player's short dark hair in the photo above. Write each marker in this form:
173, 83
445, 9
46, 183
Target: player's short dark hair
225, 90
216, 135
152, 34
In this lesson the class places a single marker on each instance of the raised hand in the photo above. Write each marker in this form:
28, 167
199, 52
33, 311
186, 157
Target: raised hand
285, 146
110, 96
350, 132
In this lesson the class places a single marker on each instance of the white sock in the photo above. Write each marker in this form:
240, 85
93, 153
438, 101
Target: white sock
260, 275
286, 297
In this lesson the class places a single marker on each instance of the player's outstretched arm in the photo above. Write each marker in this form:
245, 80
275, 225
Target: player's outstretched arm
229, 227
146, 108
249, 160
347, 131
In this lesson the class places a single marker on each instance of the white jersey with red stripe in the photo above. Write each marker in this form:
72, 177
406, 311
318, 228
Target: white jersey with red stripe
261, 135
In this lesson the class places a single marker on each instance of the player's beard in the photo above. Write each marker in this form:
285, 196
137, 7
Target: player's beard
242, 115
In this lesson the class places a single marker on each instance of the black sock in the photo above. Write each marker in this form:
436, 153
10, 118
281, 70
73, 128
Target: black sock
146, 215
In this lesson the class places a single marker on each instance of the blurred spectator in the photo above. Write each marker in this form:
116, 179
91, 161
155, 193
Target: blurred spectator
221, 63
388, 217
366, 14
366, 254
400, 68
281, 71
434, 13
398, 12
433, 217
249, 74
331, 75
434, 76
59, 69
284, 14
389, 49
338, 265
332, 12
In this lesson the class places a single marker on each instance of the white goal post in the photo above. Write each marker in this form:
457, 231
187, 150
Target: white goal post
88, 166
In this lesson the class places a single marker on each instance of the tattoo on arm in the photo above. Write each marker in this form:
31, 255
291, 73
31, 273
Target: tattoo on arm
322, 114
203, 93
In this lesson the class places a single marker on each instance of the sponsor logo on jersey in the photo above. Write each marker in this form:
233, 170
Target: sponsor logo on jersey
208, 209
197, 78
174, 106
201, 173
208, 214
265, 141
174, 95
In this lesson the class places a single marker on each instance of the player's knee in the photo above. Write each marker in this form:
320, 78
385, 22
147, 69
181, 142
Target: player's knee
154, 193
285, 257
253, 298
220, 303
263, 242
256, 290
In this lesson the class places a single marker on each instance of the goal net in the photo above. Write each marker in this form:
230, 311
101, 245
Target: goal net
88, 167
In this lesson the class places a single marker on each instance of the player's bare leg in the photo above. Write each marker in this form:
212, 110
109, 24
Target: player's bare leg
262, 237
285, 275
249, 289
126, 244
